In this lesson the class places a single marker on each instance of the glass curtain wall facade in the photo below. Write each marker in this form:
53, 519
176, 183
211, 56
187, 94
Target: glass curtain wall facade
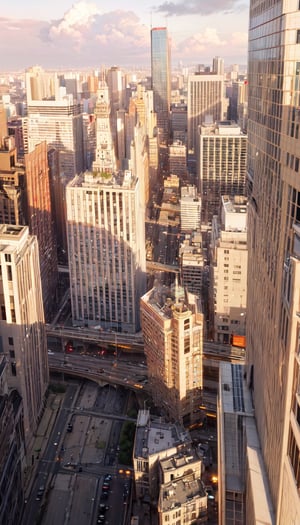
160, 71
273, 319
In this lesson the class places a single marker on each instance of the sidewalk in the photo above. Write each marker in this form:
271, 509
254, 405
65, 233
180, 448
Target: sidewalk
53, 404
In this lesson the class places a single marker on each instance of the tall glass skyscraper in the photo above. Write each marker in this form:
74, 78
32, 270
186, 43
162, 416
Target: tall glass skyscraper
273, 310
160, 71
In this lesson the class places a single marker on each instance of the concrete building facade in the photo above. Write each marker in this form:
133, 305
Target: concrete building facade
53, 116
154, 439
228, 271
221, 165
178, 159
106, 249
243, 492
192, 263
190, 209
23, 336
172, 325
205, 104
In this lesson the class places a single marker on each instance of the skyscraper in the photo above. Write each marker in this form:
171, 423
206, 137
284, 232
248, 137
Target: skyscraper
221, 165
218, 65
228, 272
25, 199
40, 222
160, 71
55, 117
22, 327
205, 104
106, 245
273, 323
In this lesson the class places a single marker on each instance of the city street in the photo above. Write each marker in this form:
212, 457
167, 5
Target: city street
78, 451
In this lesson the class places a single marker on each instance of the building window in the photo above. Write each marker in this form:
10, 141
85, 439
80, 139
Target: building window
298, 36
9, 273
3, 313
11, 341
293, 453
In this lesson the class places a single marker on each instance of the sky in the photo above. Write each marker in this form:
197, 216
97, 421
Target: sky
62, 34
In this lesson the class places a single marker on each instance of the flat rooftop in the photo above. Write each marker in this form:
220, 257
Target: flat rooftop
153, 435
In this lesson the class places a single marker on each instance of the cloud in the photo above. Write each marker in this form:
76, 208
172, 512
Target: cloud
113, 36
203, 46
198, 44
79, 18
199, 7
86, 37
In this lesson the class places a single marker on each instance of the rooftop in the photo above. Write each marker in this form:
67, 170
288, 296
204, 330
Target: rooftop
241, 441
153, 436
166, 300
121, 179
179, 460
182, 491
224, 128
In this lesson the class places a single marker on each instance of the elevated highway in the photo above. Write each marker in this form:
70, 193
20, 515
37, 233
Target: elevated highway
131, 342
111, 371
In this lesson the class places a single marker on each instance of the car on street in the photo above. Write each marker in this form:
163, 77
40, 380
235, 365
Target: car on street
210, 493
40, 493
107, 477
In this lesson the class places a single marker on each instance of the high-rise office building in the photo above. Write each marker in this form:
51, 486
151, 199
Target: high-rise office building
12, 451
53, 116
218, 66
228, 271
15, 129
3, 121
13, 202
22, 326
273, 323
172, 325
179, 122
238, 102
205, 104
160, 72
178, 160
40, 85
191, 260
106, 248
25, 199
39, 213
116, 86
190, 209
221, 165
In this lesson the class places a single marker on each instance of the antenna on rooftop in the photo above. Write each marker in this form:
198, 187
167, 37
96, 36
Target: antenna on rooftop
176, 288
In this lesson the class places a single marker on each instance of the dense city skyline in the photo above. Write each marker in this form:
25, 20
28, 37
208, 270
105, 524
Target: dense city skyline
88, 34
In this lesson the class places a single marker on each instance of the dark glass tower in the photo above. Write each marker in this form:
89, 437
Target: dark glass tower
273, 318
160, 70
